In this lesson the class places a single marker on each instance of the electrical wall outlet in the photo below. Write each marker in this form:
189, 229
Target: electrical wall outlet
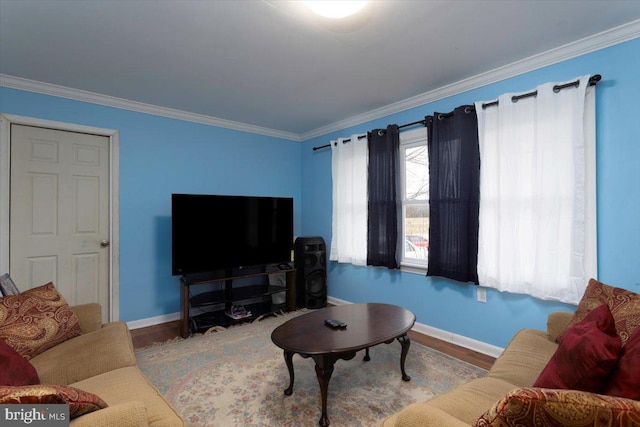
482, 294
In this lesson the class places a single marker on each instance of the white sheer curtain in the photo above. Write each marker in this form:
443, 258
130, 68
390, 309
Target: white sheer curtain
537, 193
349, 162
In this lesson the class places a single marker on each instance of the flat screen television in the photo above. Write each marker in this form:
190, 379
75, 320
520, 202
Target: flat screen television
215, 232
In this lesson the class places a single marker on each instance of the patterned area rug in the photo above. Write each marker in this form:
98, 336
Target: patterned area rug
236, 377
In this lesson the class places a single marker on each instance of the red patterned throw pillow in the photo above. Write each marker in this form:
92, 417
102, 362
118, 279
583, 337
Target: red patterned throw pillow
36, 320
80, 402
15, 369
586, 356
623, 304
535, 407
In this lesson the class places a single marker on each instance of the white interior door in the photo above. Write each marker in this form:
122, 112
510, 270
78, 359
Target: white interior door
59, 213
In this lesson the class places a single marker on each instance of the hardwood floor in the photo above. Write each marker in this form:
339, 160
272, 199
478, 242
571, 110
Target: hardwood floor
469, 356
159, 333
144, 337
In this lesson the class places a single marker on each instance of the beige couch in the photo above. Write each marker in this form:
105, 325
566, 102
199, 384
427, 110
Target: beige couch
101, 361
520, 364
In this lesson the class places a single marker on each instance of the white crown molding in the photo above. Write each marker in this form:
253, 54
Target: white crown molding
589, 44
125, 104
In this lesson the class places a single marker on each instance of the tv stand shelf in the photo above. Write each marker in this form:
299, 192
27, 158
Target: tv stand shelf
255, 298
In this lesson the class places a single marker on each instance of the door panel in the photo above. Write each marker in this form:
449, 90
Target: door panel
59, 212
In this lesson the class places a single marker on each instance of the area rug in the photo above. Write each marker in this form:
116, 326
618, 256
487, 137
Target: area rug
237, 377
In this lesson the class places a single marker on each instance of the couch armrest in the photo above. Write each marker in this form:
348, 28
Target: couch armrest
556, 323
86, 355
422, 415
130, 414
89, 315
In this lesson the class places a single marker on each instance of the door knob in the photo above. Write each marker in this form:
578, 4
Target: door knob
104, 243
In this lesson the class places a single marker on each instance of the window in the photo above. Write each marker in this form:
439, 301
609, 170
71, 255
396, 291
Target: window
414, 169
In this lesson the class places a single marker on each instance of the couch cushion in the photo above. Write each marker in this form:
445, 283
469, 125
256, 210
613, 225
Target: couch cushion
624, 306
80, 402
89, 316
559, 408
625, 378
127, 384
129, 414
418, 414
36, 320
586, 356
467, 401
557, 322
524, 358
15, 369
87, 355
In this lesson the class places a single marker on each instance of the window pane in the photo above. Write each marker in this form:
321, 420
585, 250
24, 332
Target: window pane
415, 197
417, 173
416, 229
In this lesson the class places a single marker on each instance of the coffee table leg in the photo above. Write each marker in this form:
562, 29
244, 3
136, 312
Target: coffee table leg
324, 369
405, 343
288, 358
366, 357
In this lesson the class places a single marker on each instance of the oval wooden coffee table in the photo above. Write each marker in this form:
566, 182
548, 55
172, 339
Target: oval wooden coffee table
367, 325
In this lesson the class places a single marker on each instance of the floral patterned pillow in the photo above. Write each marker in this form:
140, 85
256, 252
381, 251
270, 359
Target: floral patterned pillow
80, 402
36, 320
623, 304
533, 407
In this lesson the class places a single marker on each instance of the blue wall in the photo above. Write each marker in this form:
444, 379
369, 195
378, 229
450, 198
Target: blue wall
160, 156
452, 306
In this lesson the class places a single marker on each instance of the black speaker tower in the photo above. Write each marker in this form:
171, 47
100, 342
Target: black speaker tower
310, 261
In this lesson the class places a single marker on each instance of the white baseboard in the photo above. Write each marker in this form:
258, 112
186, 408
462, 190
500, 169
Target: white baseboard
441, 334
152, 321
459, 340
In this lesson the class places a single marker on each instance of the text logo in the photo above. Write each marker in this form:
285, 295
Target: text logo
34, 415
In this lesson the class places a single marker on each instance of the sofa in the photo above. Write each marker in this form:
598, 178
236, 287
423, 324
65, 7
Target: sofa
94, 371
529, 386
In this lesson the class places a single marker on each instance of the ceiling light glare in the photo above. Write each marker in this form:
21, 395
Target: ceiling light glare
335, 9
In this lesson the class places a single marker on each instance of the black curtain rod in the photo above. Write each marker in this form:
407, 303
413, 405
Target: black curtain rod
593, 80
419, 122
344, 141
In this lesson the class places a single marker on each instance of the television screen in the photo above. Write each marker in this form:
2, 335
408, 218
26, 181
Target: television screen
211, 232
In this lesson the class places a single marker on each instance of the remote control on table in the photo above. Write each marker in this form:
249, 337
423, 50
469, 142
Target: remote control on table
335, 323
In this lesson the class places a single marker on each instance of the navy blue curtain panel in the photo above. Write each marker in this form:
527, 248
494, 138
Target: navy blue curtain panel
454, 194
383, 198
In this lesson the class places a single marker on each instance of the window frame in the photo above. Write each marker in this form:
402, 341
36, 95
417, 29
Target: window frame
410, 139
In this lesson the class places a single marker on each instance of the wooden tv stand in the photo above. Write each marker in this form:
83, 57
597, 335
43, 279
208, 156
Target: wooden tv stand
217, 302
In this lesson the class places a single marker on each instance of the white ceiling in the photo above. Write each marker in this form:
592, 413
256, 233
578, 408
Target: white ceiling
270, 64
